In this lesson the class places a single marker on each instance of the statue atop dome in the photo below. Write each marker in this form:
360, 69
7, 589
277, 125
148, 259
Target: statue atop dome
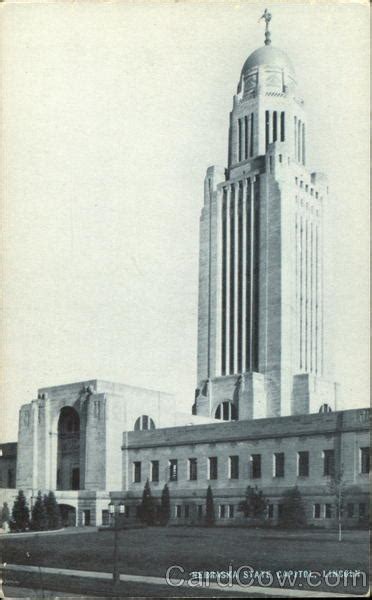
267, 17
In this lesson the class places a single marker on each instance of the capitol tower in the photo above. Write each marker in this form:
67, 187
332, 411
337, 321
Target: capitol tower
261, 285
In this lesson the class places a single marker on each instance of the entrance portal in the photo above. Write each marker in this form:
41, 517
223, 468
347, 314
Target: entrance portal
68, 453
68, 515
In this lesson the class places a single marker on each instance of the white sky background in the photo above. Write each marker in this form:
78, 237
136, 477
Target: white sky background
111, 115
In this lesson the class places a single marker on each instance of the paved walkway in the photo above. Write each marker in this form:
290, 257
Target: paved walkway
160, 581
66, 530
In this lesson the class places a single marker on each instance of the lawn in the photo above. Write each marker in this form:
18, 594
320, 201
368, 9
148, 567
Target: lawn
151, 551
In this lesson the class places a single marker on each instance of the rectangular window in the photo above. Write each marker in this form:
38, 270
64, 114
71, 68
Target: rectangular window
267, 128
328, 462
200, 511
234, 467
303, 464
173, 469
105, 517
256, 466
364, 460
136, 472
212, 467
275, 126
193, 469
282, 127
328, 511
271, 511
231, 511
178, 511
251, 135
279, 464
362, 510
350, 510
222, 511
316, 511
239, 140
155, 470
187, 511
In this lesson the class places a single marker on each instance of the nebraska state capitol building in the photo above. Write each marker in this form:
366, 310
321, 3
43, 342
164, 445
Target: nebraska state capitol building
265, 410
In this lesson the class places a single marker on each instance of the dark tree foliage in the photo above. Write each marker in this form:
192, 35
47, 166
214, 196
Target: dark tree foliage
293, 512
5, 514
147, 508
165, 510
255, 504
20, 513
210, 517
39, 517
52, 510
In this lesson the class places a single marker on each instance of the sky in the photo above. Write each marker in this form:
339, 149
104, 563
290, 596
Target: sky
112, 112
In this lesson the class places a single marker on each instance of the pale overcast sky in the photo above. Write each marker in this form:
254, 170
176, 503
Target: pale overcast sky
112, 113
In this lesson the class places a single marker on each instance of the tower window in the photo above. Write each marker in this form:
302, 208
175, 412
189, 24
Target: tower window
251, 135
239, 140
267, 128
246, 137
226, 411
144, 423
275, 126
282, 126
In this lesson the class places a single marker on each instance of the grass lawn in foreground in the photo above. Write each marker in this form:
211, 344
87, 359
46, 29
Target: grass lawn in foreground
152, 550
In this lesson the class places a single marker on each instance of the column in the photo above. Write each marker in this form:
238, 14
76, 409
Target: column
219, 287
244, 272
236, 274
227, 283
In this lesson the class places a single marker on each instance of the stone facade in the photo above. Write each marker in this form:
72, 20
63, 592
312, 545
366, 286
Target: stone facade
261, 257
345, 434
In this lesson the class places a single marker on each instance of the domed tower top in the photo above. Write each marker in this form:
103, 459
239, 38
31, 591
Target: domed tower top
270, 56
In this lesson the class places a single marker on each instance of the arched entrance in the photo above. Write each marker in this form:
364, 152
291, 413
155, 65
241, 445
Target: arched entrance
68, 452
68, 515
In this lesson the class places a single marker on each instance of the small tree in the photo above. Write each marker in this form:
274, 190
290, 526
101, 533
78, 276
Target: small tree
254, 505
147, 509
293, 513
5, 515
210, 517
39, 516
165, 506
20, 512
52, 510
337, 487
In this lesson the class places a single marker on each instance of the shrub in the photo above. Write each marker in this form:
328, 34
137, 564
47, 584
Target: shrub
147, 508
20, 513
165, 510
255, 504
52, 511
293, 510
210, 517
39, 517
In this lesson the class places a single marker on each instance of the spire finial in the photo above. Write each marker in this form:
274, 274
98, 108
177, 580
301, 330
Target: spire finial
267, 17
